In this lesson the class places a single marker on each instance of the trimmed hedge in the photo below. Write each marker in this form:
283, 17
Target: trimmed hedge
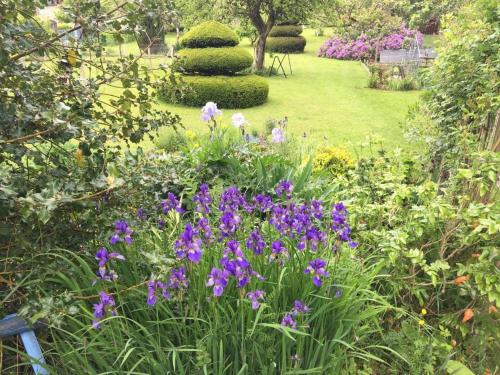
286, 44
212, 61
209, 34
227, 92
289, 22
286, 30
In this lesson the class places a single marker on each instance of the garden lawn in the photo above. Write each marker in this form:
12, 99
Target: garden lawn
328, 100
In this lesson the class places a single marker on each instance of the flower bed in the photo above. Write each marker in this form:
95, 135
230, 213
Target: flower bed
364, 48
245, 243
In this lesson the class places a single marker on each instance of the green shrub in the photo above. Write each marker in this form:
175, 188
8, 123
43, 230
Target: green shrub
286, 44
210, 34
405, 84
288, 23
227, 92
286, 30
408, 84
334, 160
373, 81
172, 141
225, 60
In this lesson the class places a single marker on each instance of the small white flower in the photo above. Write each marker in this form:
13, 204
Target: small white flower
238, 120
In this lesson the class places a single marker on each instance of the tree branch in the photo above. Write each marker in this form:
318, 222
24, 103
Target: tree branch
59, 36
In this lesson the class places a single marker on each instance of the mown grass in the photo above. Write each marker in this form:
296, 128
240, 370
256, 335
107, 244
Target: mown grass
327, 100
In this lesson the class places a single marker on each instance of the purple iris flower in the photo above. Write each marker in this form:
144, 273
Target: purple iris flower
104, 257
141, 214
340, 225
161, 224
153, 287
263, 202
177, 278
313, 236
317, 209
203, 228
338, 293
203, 199
210, 111
300, 308
229, 223
231, 200
121, 228
234, 262
171, 203
317, 269
255, 242
218, 279
255, 297
188, 245
285, 187
288, 321
290, 220
105, 306
278, 252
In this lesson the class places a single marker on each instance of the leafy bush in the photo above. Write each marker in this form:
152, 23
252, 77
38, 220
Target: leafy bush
405, 84
212, 61
374, 81
286, 30
438, 251
462, 101
210, 34
173, 141
334, 160
62, 147
226, 91
286, 44
386, 77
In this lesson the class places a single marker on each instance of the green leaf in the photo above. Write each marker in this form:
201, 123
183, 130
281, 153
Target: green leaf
457, 368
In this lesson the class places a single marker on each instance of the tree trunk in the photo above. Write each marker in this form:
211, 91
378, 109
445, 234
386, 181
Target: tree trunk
260, 52
263, 30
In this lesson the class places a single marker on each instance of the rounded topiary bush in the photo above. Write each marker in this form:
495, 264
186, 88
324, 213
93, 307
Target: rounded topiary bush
210, 34
286, 30
286, 44
286, 38
226, 91
211, 65
210, 61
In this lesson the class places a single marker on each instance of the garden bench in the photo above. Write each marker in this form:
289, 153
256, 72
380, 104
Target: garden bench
12, 325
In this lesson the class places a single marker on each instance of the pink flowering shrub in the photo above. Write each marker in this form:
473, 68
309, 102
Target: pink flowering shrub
364, 48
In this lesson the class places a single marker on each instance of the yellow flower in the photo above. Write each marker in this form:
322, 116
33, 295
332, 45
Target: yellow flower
224, 126
190, 134
110, 180
421, 322
424, 312
196, 145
